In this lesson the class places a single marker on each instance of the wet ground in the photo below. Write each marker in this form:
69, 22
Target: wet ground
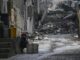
66, 47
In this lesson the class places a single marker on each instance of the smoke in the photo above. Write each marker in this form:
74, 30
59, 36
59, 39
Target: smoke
55, 2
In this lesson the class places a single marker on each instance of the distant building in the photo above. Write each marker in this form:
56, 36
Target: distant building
29, 16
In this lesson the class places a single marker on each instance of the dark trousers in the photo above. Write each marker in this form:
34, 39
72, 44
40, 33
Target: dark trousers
21, 50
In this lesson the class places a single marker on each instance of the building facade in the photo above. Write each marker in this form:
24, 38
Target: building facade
18, 6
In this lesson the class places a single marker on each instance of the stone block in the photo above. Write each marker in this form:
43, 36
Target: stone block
32, 48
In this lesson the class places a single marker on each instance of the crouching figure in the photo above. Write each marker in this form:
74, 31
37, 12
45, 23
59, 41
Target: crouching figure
23, 42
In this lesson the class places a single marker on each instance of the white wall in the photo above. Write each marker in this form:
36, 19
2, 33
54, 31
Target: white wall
30, 25
19, 22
